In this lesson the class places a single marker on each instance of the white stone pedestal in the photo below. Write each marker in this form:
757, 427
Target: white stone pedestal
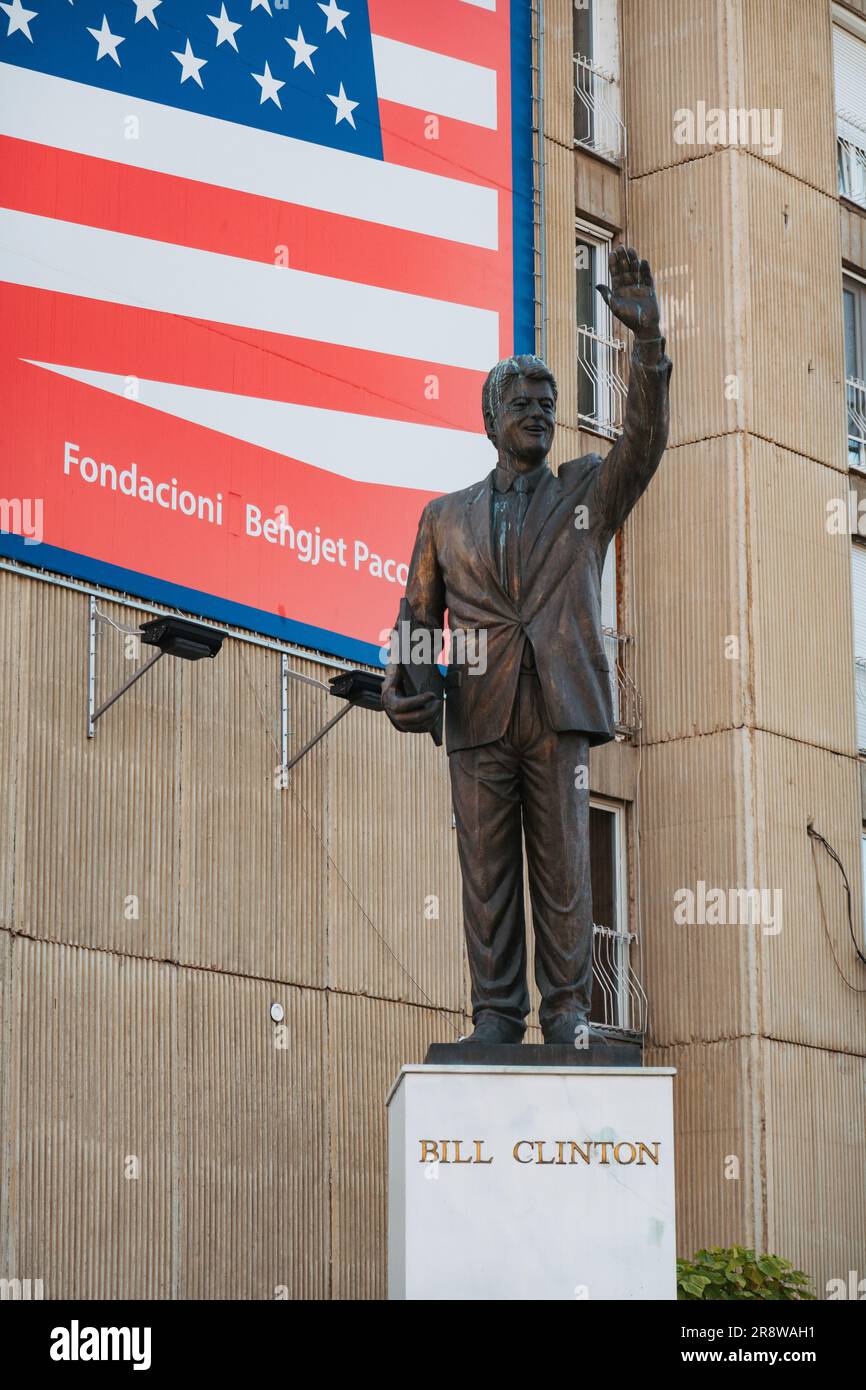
531, 1183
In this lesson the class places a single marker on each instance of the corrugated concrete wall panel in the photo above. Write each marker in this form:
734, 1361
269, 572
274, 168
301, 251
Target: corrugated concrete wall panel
569, 443
816, 1168
589, 443
7, 1031
97, 823
613, 770
701, 978
716, 1135
561, 283
774, 1175
734, 244
598, 191
559, 72
687, 610
706, 56
682, 220
251, 1129
369, 1040
252, 861
681, 62
809, 969
395, 924
89, 1126
787, 52
797, 397
11, 600
800, 598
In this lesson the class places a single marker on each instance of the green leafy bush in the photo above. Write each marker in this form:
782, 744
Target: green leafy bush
726, 1275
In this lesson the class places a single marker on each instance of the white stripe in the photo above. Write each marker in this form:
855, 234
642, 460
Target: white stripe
482, 4
361, 447
67, 258
433, 82
73, 116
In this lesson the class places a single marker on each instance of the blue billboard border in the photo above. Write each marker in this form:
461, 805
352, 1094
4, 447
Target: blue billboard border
133, 584
522, 176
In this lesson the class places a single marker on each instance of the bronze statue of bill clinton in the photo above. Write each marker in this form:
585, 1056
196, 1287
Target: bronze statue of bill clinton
517, 559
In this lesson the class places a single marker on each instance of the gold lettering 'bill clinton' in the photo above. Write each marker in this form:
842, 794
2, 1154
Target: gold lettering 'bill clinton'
448, 1151
565, 1152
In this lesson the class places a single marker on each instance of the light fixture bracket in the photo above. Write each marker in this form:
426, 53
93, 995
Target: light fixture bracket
171, 636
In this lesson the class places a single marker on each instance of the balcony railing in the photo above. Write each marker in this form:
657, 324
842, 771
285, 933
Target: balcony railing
851, 158
601, 382
855, 391
860, 697
597, 124
618, 648
618, 995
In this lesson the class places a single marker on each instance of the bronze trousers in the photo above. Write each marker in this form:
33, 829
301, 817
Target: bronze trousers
526, 781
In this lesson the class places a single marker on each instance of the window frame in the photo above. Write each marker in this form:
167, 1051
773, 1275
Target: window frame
618, 811
601, 241
603, 62
849, 131
859, 549
855, 284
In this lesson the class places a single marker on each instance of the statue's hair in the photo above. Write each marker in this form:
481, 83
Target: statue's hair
525, 365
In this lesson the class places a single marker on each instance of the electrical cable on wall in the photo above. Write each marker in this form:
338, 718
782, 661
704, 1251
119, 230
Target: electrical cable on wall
816, 835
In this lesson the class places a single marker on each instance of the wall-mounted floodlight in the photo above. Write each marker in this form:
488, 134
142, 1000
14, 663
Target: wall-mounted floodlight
172, 636
180, 637
363, 688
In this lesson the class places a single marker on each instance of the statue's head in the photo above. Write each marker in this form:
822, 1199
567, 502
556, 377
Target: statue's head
519, 405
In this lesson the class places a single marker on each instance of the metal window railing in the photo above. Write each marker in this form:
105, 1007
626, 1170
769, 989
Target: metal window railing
855, 391
624, 693
618, 994
601, 381
860, 698
597, 123
851, 158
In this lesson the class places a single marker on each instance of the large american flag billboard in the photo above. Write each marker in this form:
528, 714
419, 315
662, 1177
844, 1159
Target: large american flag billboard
255, 261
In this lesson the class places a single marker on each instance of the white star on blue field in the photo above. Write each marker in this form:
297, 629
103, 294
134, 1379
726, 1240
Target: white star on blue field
303, 69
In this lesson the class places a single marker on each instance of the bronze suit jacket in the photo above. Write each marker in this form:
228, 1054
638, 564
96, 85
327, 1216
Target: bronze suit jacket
562, 551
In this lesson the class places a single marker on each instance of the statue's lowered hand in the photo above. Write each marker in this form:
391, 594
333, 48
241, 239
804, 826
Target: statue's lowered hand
411, 714
631, 295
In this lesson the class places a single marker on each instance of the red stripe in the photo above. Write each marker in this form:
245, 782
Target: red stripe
448, 26
164, 347
440, 145
99, 193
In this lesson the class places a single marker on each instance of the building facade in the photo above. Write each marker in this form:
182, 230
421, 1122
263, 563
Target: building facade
210, 972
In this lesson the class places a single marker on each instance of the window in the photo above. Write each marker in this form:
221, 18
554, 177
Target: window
597, 124
854, 306
583, 24
600, 356
849, 68
858, 595
618, 1000
584, 123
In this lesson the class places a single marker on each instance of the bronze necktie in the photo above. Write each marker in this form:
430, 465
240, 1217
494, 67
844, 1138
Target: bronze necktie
518, 505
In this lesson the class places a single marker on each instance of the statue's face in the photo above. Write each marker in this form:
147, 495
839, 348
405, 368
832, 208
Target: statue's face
524, 424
